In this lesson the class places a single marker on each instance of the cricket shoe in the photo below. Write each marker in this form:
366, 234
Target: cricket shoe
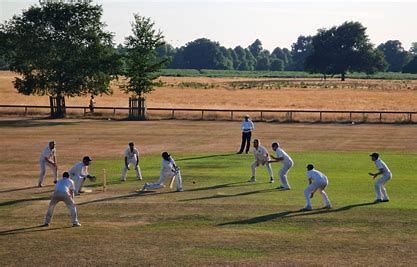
76, 225
283, 188
328, 207
271, 180
139, 178
180, 190
252, 179
385, 200
378, 201
122, 180
45, 225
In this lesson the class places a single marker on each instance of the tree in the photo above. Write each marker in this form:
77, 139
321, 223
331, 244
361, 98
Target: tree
300, 50
413, 49
394, 54
277, 65
60, 49
343, 49
411, 67
142, 62
280, 54
255, 48
203, 54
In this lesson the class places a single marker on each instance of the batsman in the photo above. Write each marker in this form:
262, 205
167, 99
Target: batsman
168, 170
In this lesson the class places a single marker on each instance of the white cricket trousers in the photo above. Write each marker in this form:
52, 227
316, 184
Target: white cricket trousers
312, 188
78, 183
68, 200
256, 164
380, 191
283, 174
124, 171
162, 177
43, 164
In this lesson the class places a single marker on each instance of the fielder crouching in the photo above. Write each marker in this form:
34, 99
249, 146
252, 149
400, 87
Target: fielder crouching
64, 191
168, 170
79, 172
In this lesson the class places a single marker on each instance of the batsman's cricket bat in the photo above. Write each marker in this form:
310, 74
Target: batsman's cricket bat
172, 182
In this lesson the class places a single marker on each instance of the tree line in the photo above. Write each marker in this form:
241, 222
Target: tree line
62, 49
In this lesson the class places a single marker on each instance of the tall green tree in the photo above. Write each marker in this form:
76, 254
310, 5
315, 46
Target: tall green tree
343, 49
300, 50
413, 49
60, 49
411, 67
255, 48
395, 55
142, 62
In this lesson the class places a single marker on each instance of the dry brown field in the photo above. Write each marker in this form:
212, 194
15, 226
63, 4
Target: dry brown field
253, 93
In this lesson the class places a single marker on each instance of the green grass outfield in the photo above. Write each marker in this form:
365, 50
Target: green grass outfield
222, 219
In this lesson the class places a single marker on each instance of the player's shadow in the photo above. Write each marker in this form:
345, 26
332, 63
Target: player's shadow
295, 213
17, 189
219, 186
205, 157
131, 195
16, 201
231, 195
38, 228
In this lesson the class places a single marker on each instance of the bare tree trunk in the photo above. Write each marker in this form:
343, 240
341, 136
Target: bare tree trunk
343, 76
57, 106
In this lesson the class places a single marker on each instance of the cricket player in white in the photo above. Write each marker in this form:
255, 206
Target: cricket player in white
48, 158
64, 191
168, 170
317, 181
287, 163
79, 172
381, 192
261, 158
131, 157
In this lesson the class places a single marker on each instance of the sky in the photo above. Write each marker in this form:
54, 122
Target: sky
233, 22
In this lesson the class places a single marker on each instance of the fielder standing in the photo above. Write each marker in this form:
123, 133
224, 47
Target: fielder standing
168, 170
79, 172
381, 192
247, 127
131, 158
48, 158
317, 181
287, 163
64, 191
261, 158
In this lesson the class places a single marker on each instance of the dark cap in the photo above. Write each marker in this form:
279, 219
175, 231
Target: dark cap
165, 155
310, 167
131, 144
65, 174
374, 155
87, 158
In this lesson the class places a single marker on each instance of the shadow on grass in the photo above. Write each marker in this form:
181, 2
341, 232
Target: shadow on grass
219, 186
15, 201
295, 213
232, 195
205, 157
38, 228
33, 123
17, 189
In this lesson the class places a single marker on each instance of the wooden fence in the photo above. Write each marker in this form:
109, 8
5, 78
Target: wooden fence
288, 115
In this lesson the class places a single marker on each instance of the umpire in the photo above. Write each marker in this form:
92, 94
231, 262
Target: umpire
247, 127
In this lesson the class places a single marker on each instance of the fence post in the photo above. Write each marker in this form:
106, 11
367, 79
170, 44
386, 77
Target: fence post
172, 115
321, 116
114, 111
231, 115
26, 111
380, 117
202, 114
84, 111
262, 116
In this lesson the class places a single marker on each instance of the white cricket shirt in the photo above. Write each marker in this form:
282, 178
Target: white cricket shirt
48, 153
64, 185
260, 153
282, 154
317, 177
132, 155
381, 165
167, 166
79, 170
